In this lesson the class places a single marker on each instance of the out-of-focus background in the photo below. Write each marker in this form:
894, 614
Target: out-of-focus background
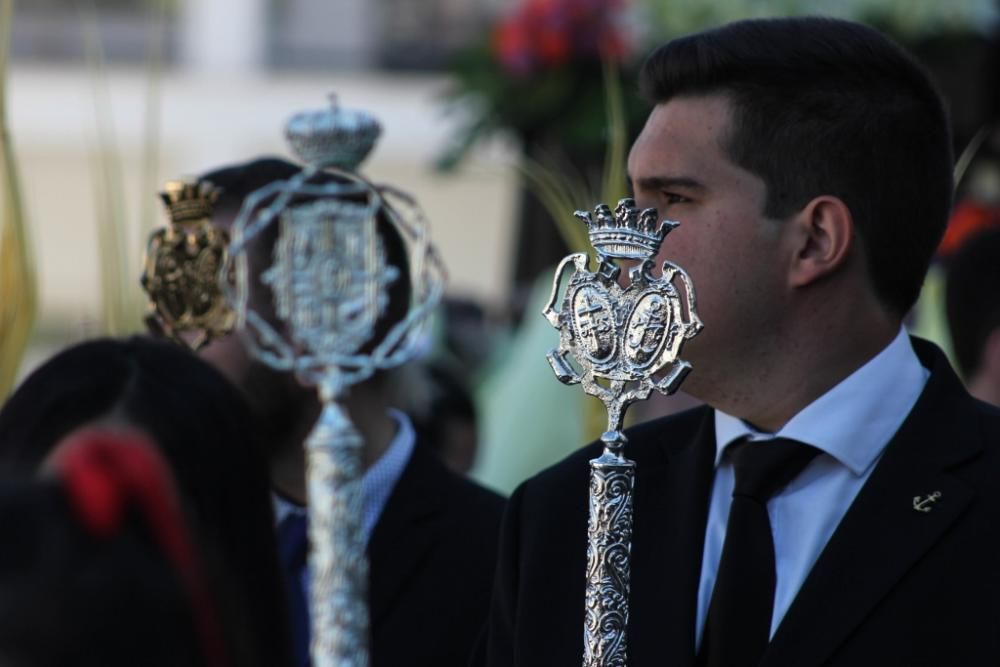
495, 112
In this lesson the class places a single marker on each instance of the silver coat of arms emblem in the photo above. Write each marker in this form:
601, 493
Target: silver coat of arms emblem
624, 335
616, 341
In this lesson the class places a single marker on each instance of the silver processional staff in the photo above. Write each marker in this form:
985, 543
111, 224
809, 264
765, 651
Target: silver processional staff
330, 281
620, 338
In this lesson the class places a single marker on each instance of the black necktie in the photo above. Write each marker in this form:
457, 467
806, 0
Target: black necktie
738, 626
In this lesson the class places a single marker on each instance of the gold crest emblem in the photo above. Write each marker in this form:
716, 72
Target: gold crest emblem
182, 264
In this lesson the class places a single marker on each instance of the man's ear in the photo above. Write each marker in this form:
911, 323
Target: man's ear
822, 237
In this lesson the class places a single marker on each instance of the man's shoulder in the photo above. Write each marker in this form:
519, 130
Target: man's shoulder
478, 495
989, 412
460, 493
648, 442
989, 418
946, 408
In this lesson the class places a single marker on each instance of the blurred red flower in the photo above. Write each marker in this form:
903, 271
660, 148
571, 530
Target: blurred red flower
968, 219
541, 34
540, 74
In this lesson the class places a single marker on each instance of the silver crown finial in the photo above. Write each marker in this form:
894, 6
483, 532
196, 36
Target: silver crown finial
333, 137
628, 233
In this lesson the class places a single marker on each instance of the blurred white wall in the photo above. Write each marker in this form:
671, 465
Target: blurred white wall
224, 35
214, 115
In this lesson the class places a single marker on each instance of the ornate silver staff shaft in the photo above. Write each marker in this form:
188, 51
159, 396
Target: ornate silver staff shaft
330, 282
340, 572
623, 338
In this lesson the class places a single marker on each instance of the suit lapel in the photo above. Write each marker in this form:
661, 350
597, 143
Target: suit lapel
404, 532
671, 507
883, 535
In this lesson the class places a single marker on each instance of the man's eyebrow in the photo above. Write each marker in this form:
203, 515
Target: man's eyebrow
666, 182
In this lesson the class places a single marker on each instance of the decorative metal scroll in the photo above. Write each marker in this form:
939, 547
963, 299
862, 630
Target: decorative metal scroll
181, 268
619, 344
330, 280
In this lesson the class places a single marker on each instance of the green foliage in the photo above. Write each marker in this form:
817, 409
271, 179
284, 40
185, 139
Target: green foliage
563, 190
563, 105
538, 74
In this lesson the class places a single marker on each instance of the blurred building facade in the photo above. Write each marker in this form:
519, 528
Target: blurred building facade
174, 87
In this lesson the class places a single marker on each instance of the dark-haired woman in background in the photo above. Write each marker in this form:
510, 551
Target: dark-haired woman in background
204, 430
99, 568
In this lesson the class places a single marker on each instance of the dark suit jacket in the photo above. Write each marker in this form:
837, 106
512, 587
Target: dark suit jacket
432, 559
894, 586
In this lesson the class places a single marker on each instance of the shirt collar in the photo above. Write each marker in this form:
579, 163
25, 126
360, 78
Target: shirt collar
380, 479
854, 420
283, 508
384, 473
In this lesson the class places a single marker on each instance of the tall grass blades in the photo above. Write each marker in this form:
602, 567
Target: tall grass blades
120, 298
18, 295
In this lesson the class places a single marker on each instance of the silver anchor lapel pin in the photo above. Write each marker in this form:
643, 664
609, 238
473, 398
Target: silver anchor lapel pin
926, 503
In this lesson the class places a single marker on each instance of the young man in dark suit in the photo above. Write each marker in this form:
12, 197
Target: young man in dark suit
431, 534
833, 503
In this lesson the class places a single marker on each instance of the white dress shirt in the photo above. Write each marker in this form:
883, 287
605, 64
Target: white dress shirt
380, 479
850, 424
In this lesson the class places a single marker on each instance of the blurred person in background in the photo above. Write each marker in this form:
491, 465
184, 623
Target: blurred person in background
100, 566
431, 534
445, 415
972, 304
439, 394
205, 431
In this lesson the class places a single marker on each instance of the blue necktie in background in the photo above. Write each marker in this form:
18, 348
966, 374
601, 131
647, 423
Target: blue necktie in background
293, 549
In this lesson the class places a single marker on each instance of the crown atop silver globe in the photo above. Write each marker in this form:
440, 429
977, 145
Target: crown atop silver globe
333, 137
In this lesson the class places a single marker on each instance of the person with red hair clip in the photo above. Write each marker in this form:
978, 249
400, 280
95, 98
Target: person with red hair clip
204, 430
100, 566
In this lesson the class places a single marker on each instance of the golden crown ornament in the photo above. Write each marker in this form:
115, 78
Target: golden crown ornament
621, 340
189, 201
181, 268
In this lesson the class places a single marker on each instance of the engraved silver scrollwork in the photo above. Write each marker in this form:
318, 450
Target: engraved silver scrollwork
330, 279
619, 344
609, 544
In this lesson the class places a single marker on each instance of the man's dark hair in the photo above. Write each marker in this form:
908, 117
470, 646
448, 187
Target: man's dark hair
971, 302
68, 597
282, 405
828, 107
